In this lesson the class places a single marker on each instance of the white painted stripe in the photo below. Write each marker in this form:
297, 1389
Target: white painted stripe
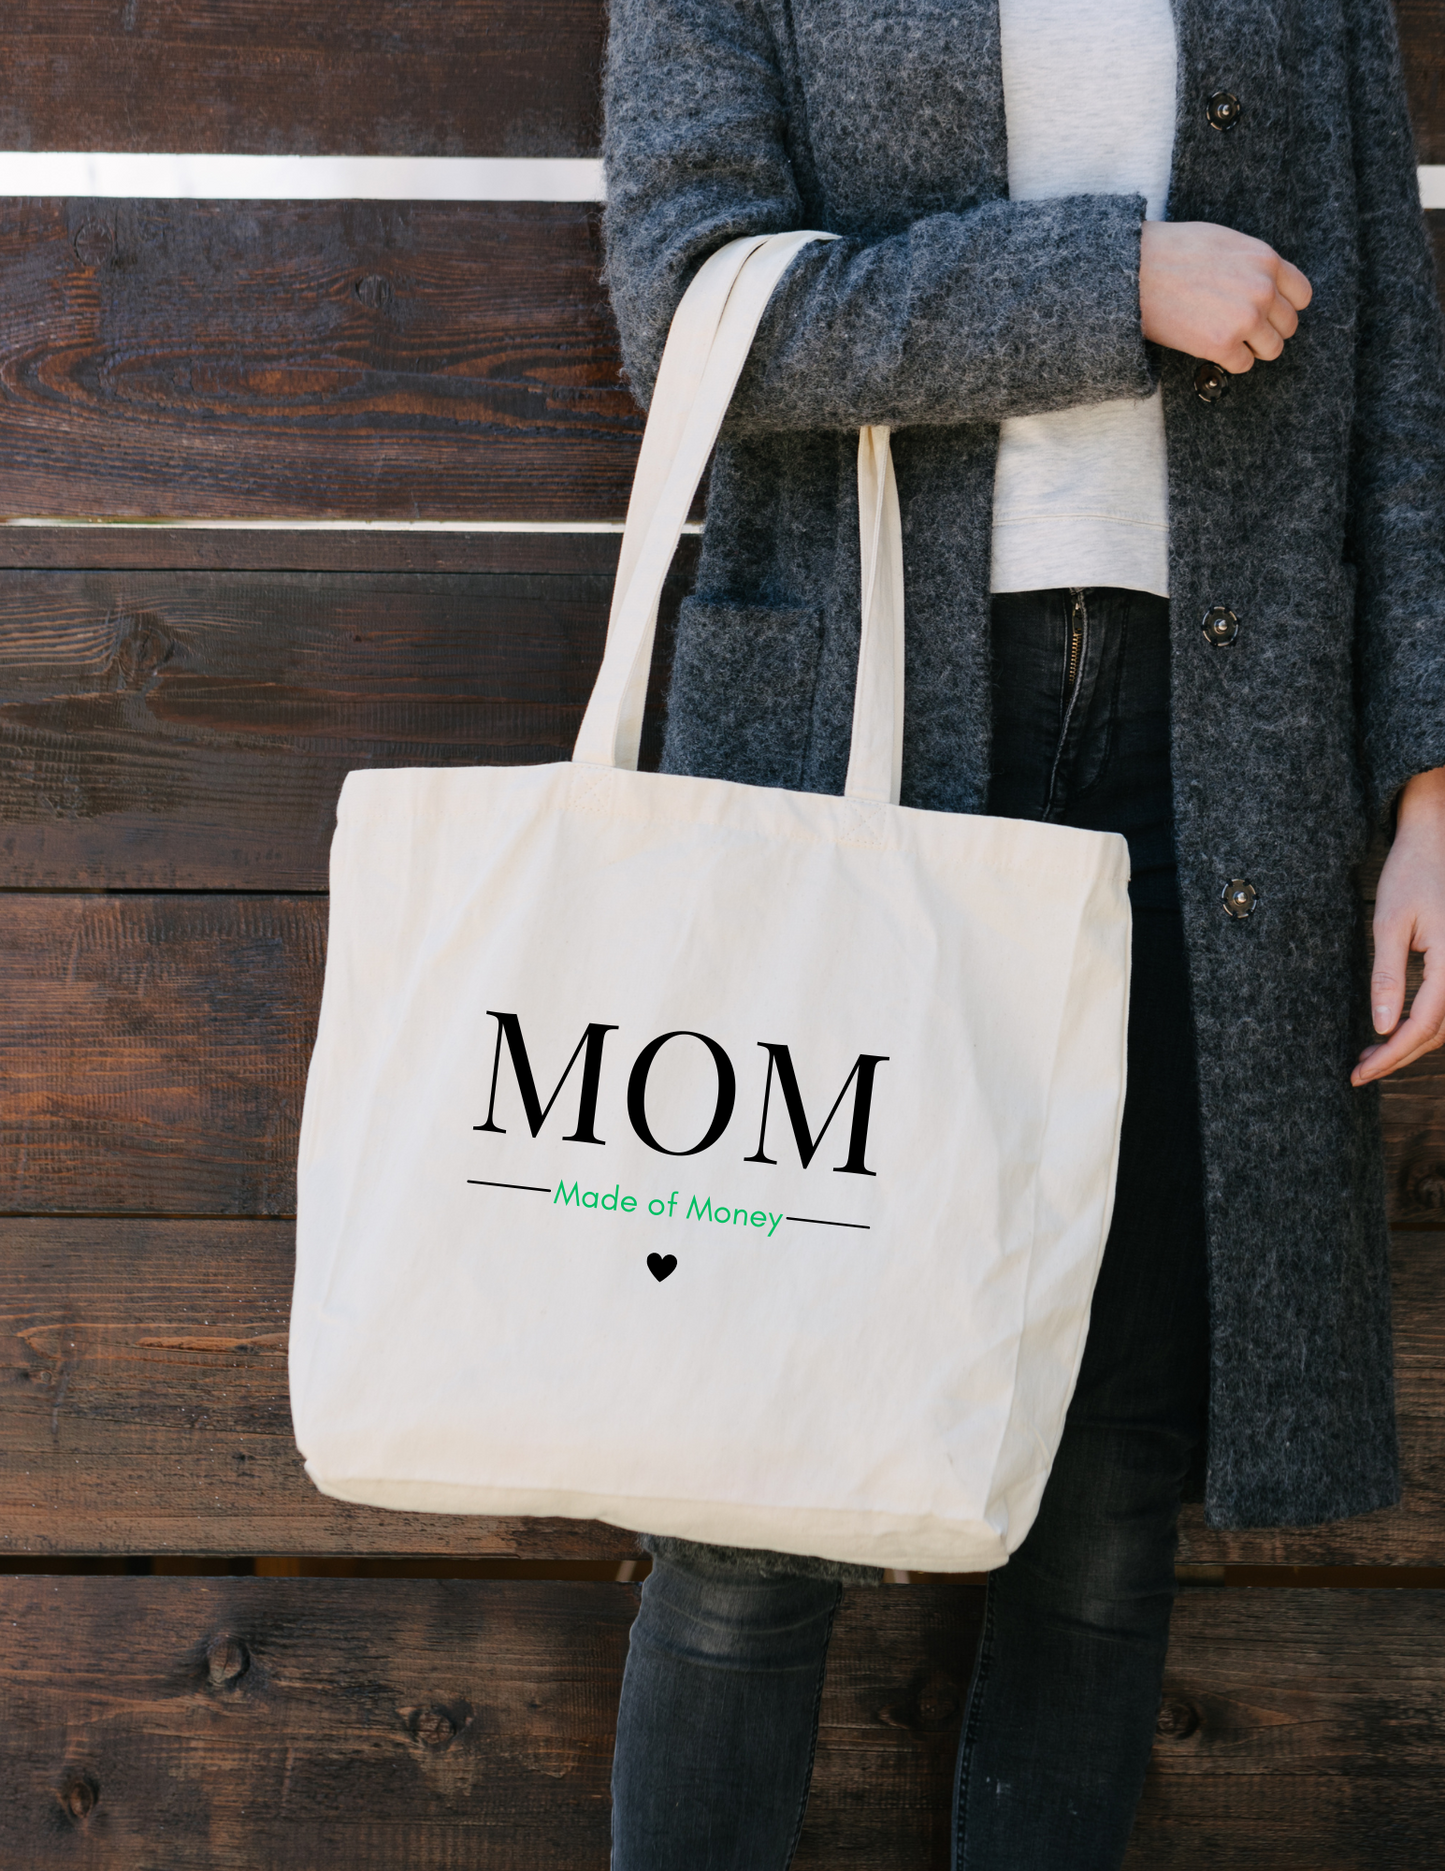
342, 178
338, 526
299, 178
345, 526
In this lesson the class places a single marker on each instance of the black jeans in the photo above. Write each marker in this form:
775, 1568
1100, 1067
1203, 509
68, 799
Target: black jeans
720, 1699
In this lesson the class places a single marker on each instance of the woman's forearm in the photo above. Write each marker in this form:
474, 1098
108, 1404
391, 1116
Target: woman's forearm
971, 313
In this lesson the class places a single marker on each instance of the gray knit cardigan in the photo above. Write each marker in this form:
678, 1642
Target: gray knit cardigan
1310, 499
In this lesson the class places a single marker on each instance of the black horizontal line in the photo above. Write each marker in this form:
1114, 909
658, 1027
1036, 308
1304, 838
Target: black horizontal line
814, 1220
537, 1188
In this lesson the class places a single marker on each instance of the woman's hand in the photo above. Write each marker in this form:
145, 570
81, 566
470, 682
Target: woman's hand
1215, 294
1410, 914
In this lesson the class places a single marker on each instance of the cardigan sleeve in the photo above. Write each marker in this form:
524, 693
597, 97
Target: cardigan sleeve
1002, 309
1397, 466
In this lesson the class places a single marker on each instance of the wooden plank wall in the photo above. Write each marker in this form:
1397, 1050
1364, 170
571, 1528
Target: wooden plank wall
177, 710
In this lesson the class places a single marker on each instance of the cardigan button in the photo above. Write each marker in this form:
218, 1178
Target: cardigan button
1220, 627
1224, 110
1240, 899
1211, 381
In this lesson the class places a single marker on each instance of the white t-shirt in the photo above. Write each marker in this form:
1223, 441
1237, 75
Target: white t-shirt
1081, 495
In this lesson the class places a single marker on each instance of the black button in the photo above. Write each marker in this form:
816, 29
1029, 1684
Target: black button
1224, 110
1240, 899
1211, 382
1220, 627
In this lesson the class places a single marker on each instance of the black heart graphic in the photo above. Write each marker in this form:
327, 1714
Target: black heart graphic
660, 1265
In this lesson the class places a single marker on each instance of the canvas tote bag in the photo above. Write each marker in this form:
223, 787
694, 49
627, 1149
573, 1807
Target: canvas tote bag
710, 1159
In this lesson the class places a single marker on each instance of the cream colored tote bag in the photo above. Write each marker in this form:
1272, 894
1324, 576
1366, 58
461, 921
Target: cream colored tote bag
709, 1159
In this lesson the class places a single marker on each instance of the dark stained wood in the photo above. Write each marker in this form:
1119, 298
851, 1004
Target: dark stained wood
301, 1723
352, 360
143, 1409
259, 548
254, 1725
188, 731
1294, 1734
155, 1050
172, 730
1412, 1104
1422, 43
143, 1406
471, 78
478, 77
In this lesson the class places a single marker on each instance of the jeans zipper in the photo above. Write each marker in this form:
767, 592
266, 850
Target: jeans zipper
1078, 636
1078, 649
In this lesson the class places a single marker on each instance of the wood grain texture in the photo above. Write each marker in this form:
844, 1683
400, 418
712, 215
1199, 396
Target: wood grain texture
1295, 1734
347, 360
471, 78
259, 548
143, 1406
477, 78
355, 360
271, 1724
253, 1725
143, 1409
156, 1046
192, 731
1422, 44
1412, 1104
155, 1050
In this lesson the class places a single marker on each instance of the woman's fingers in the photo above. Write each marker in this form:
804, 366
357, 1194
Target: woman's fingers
1409, 915
1265, 342
1296, 289
1214, 293
1283, 316
1293, 285
1387, 977
1421, 1033
1424, 1029
1279, 321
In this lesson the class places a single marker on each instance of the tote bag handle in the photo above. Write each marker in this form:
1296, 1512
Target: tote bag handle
706, 349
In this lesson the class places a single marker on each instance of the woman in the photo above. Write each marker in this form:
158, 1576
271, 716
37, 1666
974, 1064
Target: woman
1173, 498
